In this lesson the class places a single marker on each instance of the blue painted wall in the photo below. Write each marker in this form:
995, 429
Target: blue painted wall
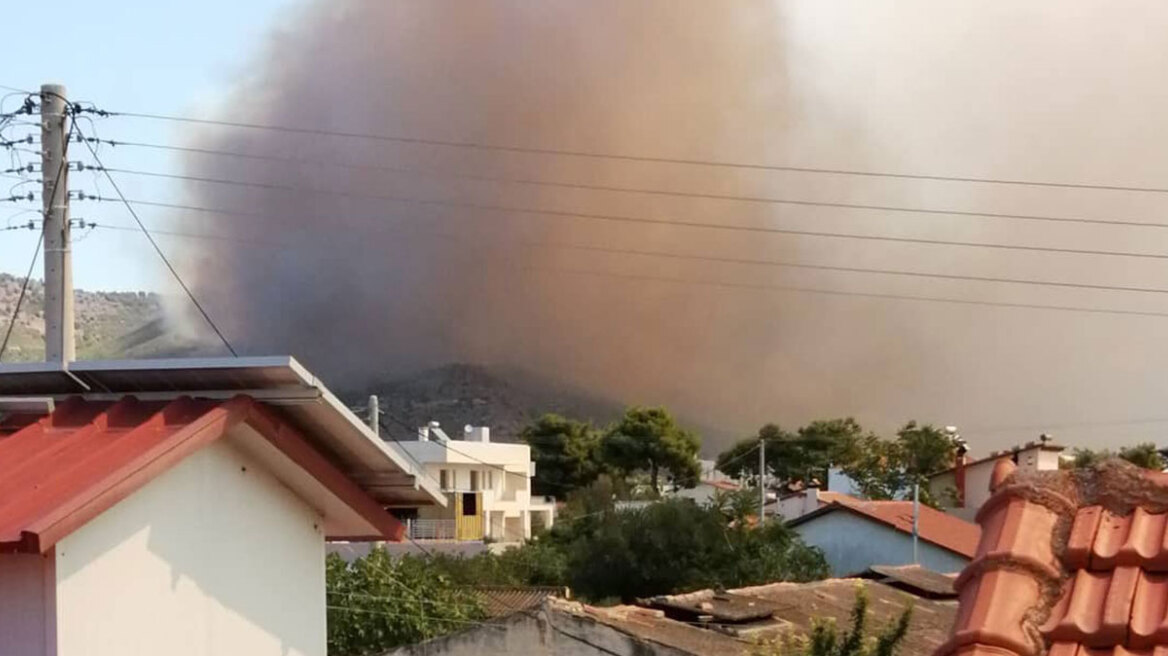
852, 544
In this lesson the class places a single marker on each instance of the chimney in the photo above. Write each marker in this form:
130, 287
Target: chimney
959, 474
959, 459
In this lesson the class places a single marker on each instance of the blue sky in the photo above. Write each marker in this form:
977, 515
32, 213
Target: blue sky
134, 55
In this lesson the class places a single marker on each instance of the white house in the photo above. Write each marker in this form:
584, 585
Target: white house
705, 491
969, 480
181, 507
487, 484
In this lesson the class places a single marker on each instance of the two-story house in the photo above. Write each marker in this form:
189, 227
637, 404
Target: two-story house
487, 485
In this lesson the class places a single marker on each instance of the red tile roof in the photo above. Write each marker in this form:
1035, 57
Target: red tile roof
1071, 562
936, 527
62, 470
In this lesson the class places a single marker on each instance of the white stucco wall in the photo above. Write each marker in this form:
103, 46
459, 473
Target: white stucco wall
26, 605
852, 544
213, 557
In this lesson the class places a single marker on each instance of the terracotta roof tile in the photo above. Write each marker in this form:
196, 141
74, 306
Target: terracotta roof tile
1071, 564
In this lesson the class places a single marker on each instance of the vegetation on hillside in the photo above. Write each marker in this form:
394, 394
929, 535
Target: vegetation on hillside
108, 324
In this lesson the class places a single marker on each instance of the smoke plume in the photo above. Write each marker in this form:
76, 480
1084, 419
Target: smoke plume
363, 285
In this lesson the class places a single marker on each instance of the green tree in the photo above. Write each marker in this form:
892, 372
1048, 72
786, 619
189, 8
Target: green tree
827, 640
376, 603
566, 453
888, 469
1142, 455
793, 458
676, 545
649, 440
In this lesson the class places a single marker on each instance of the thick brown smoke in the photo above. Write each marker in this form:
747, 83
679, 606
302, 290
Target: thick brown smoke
370, 288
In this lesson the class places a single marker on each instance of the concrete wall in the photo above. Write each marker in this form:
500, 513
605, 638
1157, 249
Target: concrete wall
532, 635
213, 557
26, 605
852, 544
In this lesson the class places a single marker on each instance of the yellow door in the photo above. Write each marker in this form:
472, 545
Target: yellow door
468, 516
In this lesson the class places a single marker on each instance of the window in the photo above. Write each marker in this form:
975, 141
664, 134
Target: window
443, 479
470, 504
474, 480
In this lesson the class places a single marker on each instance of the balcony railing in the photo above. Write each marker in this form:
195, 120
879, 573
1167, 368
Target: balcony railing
431, 529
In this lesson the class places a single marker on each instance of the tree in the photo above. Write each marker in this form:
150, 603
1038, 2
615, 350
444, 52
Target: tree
566, 454
675, 545
649, 440
884, 469
803, 457
376, 603
1142, 455
826, 639
822, 444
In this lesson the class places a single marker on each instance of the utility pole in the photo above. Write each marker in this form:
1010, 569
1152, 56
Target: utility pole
916, 528
374, 415
761, 479
59, 343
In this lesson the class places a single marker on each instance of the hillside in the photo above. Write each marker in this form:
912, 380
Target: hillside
132, 325
109, 324
459, 394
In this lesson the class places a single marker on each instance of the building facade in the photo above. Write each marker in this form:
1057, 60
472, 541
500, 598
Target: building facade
968, 481
487, 485
855, 534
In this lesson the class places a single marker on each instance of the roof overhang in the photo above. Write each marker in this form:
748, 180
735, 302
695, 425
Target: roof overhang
381, 469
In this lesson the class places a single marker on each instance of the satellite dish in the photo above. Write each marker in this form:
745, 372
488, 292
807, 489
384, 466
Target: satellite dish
467, 428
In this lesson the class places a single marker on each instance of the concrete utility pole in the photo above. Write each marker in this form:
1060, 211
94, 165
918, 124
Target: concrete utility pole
916, 519
59, 343
761, 479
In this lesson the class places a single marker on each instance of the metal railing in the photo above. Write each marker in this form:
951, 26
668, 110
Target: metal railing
431, 529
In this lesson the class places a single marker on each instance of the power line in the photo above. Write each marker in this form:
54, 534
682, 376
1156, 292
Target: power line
158, 250
643, 191
482, 146
835, 292
622, 218
729, 260
752, 286
61, 168
20, 299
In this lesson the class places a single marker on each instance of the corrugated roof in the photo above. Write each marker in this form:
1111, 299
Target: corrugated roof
939, 528
500, 600
720, 606
1068, 562
277, 381
916, 579
652, 626
801, 605
63, 469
